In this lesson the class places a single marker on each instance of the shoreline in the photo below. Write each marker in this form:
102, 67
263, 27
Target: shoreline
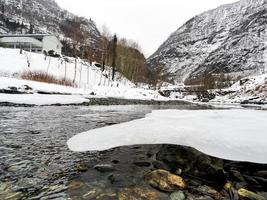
104, 101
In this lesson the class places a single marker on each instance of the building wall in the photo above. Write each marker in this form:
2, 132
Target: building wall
25, 43
49, 42
52, 43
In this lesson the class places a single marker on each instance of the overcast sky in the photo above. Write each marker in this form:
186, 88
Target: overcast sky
149, 22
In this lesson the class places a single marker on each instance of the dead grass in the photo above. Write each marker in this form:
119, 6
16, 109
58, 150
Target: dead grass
46, 78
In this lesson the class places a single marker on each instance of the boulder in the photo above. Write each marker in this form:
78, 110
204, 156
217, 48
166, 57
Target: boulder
192, 162
165, 181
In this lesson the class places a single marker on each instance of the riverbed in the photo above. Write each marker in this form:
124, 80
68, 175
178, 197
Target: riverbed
35, 162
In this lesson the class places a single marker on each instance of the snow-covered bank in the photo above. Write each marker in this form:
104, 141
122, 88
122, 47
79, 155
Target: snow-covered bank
37, 93
251, 90
230, 134
31, 90
88, 78
34, 86
84, 74
247, 92
41, 99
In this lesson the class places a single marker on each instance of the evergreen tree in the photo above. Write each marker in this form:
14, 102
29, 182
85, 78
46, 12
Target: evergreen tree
103, 66
31, 29
114, 55
2, 10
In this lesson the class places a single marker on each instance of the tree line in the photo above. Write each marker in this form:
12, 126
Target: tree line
123, 55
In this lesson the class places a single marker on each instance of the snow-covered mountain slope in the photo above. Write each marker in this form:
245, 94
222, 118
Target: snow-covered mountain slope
229, 39
45, 16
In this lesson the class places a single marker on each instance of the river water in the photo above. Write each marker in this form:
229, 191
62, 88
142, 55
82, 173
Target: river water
35, 162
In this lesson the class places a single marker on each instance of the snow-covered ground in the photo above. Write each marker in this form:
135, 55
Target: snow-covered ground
12, 64
249, 90
231, 134
21, 85
41, 99
252, 89
66, 95
88, 78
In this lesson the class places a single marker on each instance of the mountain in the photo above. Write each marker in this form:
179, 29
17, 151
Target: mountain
45, 16
230, 39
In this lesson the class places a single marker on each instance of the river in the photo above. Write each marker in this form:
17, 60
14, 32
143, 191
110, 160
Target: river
35, 162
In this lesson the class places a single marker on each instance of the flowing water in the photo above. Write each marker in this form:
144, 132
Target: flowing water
35, 162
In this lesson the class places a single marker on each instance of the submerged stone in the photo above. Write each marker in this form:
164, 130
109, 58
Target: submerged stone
165, 181
104, 168
193, 162
206, 190
7, 193
142, 164
82, 167
249, 195
137, 193
177, 196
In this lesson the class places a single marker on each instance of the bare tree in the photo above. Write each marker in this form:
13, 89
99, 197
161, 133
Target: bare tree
75, 70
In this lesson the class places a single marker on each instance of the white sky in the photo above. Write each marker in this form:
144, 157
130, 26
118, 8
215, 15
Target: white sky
149, 22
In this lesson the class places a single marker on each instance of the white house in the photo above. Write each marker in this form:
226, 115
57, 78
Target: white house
31, 42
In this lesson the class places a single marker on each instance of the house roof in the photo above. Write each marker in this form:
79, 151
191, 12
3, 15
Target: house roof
31, 40
37, 36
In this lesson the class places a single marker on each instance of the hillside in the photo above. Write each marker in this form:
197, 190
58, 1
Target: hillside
229, 40
45, 16
87, 80
79, 36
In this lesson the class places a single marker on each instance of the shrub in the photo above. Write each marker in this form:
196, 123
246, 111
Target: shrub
51, 53
46, 78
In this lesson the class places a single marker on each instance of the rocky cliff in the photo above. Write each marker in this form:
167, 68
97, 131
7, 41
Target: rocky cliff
230, 39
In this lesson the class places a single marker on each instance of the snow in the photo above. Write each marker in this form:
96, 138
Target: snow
230, 134
40, 99
75, 95
129, 93
254, 88
89, 79
207, 39
12, 64
251, 89
6, 82
21, 40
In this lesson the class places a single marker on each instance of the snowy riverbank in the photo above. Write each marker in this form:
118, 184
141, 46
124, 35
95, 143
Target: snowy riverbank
89, 81
26, 92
